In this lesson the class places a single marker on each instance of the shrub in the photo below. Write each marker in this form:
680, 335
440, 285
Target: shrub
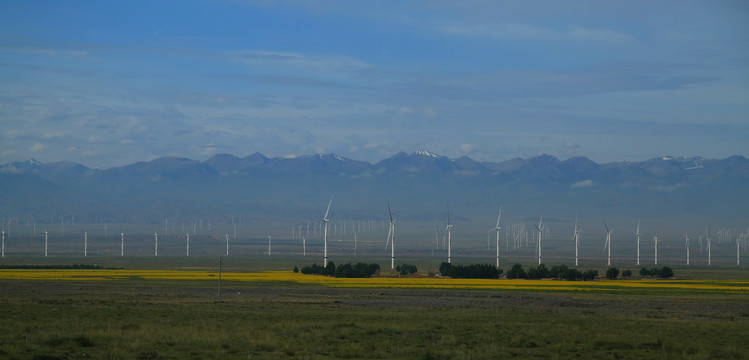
296, 269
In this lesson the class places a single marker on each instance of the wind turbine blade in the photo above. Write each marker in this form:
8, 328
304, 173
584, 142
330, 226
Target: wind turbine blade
390, 213
539, 223
499, 216
448, 214
328, 210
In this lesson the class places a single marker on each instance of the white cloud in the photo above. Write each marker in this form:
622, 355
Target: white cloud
37, 147
466, 148
583, 183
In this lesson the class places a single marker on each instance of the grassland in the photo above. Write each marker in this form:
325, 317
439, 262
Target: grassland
174, 314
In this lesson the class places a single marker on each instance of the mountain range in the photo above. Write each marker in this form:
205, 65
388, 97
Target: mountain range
418, 186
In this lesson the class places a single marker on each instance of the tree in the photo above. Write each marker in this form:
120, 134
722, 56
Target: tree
644, 272
516, 272
296, 269
612, 273
590, 274
405, 269
627, 273
572, 274
665, 273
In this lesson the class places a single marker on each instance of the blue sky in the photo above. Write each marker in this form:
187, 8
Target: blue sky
107, 83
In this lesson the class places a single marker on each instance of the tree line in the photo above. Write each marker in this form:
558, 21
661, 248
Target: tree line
360, 270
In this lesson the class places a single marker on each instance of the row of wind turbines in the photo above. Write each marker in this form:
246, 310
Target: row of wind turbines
541, 229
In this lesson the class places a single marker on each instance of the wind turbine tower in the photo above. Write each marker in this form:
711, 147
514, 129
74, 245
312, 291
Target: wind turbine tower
638, 241
608, 243
655, 240
122, 244
709, 250
187, 236
391, 239
686, 245
325, 221
540, 229
45, 242
448, 229
3, 245
227, 244
268, 245
577, 240
156, 244
497, 228
85, 243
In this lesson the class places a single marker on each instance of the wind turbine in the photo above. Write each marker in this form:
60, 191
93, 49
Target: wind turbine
655, 240
187, 235
391, 239
738, 252
638, 241
325, 221
686, 245
3, 246
227, 244
608, 243
122, 244
156, 244
577, 240
268, 245
448, 230
85, 243
45, 242
540, 229
497, 228
709, 250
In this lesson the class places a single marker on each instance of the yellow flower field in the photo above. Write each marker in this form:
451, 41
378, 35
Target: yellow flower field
732, 286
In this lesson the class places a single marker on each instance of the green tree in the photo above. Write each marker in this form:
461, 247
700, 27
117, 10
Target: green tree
612, 273
296, 269
516, 272
590, 274
665, 273
627, 273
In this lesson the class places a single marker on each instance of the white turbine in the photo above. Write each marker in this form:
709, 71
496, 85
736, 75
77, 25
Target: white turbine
497, 228
448, 230
85, 243
227, 244
655, 241
709, 250
738, 252
45, 242
608, 243
156, 244
686, 245
577, 240
540, 229
3, 245
391, 239
268, 245
638, 241
187, 235
325, 221
122, 244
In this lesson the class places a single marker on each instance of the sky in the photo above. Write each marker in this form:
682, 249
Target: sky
109, 83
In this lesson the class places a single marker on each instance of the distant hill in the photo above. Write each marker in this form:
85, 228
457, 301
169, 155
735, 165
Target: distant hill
418, 185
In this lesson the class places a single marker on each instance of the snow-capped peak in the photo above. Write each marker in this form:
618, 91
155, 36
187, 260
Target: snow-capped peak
426, 153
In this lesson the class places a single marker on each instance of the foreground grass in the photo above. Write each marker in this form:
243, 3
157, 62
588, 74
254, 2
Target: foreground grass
139, 317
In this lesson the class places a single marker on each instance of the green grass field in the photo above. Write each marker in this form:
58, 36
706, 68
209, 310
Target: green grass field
138, 318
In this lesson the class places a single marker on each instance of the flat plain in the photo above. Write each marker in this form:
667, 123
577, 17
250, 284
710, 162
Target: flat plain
171, 313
